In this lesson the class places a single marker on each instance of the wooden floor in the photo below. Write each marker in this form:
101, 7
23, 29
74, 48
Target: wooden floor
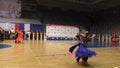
53, 54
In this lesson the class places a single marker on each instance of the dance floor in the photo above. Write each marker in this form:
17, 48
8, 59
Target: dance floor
53, 54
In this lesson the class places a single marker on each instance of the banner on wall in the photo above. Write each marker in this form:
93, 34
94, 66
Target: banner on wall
28, 27
61, 30
21, 26
10, 8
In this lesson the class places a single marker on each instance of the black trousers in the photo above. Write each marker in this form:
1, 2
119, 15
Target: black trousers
71, 49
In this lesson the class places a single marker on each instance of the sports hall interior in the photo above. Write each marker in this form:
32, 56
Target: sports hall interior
38, 50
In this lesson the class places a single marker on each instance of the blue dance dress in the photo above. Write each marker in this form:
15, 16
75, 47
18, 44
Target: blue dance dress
83, 51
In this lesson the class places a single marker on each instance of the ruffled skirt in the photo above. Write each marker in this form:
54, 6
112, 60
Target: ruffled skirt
83, 51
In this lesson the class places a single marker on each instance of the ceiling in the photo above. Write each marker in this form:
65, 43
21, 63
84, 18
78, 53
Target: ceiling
78, 5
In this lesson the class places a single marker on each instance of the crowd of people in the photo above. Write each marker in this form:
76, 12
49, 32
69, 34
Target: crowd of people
5, 34
19, 34
10, 34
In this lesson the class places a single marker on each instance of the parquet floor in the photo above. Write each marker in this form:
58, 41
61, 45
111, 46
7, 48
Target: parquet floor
53, 54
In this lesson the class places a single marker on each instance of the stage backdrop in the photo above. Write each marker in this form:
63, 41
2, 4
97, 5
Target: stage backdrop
10, 8
61, 31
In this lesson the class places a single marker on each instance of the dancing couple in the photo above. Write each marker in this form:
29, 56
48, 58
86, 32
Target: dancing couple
82, 51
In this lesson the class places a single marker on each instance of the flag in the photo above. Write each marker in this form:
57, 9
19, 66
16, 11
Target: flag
17, 27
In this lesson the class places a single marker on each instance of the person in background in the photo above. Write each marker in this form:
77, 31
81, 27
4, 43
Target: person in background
19, 36
12, 32
114, 40
1, 34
